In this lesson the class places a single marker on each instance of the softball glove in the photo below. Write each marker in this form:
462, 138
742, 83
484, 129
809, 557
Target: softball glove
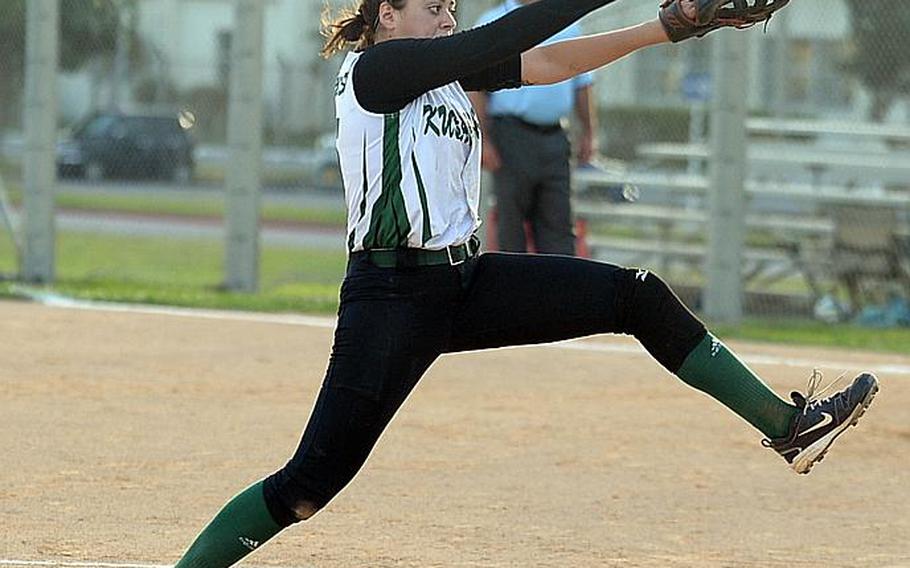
710, 15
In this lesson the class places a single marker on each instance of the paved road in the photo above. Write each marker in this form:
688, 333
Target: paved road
287, 234
298, 197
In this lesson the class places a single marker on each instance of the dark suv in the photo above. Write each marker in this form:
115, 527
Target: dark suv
119, 145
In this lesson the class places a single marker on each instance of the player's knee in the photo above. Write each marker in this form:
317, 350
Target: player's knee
655, 315
303, 509
643, 300
295, 510
289, 501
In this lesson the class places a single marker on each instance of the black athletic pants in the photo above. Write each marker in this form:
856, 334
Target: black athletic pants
394, 322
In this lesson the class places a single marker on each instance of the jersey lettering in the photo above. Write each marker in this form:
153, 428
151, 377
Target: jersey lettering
443, 121
341, 82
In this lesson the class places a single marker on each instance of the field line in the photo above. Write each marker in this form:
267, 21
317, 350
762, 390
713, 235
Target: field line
752, 358
78, 564
92, 564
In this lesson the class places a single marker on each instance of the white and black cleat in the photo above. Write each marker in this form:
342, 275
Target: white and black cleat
820, 422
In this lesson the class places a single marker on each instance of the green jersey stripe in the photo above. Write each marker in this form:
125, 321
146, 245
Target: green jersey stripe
389, 225
422, 193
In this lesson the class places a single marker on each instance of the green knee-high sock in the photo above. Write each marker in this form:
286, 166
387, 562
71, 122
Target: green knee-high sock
714, 369
241, 526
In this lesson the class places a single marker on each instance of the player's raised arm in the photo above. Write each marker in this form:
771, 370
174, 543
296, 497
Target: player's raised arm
678, 20
561, 60
442, 57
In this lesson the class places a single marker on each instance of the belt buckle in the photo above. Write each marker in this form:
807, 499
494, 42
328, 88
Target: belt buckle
472, 246
452, 261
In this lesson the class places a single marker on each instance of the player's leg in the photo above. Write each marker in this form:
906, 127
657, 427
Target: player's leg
386, 338
522, 299
551, 217
240, 527
342, 430
526, 299
392, 326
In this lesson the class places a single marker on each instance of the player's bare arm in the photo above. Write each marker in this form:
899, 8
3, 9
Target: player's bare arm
559, 61
562, 60
678, 20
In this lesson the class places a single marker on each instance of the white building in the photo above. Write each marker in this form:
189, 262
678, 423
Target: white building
794, 66
187, 47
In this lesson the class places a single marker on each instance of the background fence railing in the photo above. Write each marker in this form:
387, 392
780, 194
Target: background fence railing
143, 95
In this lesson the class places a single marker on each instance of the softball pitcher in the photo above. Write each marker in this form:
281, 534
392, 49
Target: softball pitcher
416, 286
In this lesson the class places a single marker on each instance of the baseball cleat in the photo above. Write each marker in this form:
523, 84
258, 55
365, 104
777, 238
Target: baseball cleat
820, 422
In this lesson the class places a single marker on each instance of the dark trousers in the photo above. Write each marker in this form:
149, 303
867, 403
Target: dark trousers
393, 323
533, 186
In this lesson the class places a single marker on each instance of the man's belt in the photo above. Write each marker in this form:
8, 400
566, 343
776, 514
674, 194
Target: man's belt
539, 128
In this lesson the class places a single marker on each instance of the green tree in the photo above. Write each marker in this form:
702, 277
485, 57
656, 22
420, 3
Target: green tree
88, 29
881, 55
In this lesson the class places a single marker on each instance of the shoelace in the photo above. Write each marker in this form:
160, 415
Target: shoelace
813, 395
811, 398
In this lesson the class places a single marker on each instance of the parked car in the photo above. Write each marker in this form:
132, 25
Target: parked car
119, 145
328, 170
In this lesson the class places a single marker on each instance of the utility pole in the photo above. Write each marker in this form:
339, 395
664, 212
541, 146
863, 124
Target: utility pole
245, 141
723, 293
41, 58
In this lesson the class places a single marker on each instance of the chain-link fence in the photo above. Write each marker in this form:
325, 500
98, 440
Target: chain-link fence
138, 57
826, 177
142, 155
12, 41
143, 93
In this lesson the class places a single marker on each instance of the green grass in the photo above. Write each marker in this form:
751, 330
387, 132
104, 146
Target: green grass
807, 332
185, 273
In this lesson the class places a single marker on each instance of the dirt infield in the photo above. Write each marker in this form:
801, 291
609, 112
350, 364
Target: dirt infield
124, 433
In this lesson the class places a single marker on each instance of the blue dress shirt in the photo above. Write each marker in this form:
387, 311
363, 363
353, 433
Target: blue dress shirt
538, 104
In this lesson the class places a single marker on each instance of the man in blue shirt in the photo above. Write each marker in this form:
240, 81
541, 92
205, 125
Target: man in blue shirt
526, 149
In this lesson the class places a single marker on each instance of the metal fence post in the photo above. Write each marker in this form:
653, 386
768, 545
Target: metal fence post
245, 140
723, 292
40, 109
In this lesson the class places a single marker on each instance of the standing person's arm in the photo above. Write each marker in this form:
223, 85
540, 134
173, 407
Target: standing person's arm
586, 113
489, 159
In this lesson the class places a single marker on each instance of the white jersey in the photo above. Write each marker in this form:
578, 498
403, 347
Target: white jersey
411, 178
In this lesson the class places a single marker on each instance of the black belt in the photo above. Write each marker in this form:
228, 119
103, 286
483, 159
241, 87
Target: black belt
539, 128
411, 257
